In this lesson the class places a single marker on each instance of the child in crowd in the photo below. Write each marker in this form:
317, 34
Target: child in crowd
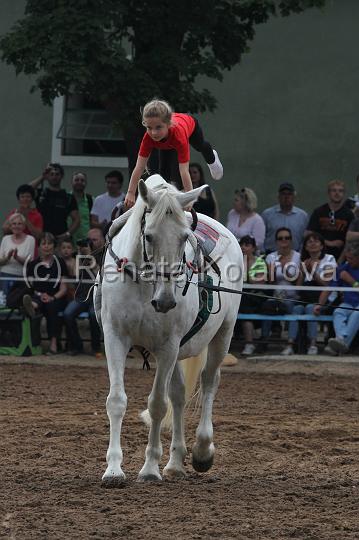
66, 252
168, 131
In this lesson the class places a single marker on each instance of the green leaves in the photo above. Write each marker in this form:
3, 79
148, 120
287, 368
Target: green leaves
124, 52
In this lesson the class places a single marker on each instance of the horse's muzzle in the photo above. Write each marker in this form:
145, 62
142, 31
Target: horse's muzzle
163, 306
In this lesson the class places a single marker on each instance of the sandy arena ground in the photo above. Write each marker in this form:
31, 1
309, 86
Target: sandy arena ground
286, 464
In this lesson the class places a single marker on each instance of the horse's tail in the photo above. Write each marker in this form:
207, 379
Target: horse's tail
192, 368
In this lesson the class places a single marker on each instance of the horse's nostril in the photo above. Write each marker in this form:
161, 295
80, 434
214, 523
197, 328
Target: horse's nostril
163, 307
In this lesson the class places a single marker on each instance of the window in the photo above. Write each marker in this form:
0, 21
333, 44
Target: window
84, 134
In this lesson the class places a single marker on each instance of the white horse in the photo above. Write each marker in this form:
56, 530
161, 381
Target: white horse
155, 315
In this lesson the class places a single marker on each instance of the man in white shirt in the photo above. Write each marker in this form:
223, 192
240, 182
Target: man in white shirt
105, 203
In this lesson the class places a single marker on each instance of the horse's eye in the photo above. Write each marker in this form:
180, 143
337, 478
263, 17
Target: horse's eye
185, 237
148, 238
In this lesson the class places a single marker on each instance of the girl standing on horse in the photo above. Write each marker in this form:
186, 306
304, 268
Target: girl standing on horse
169, 131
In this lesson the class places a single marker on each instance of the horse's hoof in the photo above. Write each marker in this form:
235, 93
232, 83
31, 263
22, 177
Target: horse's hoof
202, 466
110, 482
148, 478
174, 474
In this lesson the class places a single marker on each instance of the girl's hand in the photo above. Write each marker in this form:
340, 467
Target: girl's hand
316, 309
10, 254
15, 255
130, 200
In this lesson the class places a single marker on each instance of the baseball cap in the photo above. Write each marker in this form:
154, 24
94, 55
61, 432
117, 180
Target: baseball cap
286, 186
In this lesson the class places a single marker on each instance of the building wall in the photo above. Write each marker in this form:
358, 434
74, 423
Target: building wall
287, 113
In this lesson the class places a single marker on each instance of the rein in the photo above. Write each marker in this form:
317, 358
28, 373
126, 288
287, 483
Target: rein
219, 288
136, 275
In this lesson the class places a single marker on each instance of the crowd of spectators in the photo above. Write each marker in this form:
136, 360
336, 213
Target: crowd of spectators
300, 250
283, 246
41, 238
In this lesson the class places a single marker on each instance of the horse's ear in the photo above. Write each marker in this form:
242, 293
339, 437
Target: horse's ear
147, 194
190, 197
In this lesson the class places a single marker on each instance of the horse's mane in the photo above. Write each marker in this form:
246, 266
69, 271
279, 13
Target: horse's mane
167, 203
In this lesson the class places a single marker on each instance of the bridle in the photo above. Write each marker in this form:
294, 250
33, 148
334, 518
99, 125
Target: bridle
149, 267
153, 267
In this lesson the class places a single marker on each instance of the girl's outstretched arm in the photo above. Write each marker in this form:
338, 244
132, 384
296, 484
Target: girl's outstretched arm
185, 176
135, 178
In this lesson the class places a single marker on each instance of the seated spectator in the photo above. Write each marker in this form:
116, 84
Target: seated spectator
353, 202
317, 269
97, 239
346, 321
243, 220
284, 214
15, 250
353, 231
206, 203
104, 204
283, 270
83, 300
66, 252
48, 289
256, 272
55, 204
332, 220
33, 220
84, 205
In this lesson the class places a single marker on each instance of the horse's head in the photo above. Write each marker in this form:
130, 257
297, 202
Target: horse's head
165, 231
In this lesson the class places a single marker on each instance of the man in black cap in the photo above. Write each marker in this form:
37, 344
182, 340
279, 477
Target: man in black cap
284, 214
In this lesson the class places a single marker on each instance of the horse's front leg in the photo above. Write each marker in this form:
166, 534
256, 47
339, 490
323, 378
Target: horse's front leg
175, 466
157, 407
116, 353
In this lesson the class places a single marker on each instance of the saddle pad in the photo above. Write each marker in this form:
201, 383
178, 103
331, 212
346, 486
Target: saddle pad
211, 241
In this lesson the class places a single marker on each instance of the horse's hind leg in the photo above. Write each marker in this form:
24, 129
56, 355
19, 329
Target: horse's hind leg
116, 352
203, 449
174, 467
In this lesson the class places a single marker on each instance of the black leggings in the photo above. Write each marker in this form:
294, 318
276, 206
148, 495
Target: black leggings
51, 311
168, 162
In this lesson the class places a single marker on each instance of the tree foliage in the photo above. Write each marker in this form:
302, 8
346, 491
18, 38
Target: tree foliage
124, 52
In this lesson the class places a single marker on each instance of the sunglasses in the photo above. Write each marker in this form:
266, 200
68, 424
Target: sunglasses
332, 217
284, 238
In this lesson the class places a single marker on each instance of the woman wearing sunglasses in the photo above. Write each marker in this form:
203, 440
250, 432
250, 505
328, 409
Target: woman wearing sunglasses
283, 270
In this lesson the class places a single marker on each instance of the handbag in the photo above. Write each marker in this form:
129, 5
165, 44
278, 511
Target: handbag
273, 307
16, 294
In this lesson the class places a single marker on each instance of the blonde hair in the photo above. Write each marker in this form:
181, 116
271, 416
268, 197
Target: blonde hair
157, 108
16, 215
249, 198
333, 183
